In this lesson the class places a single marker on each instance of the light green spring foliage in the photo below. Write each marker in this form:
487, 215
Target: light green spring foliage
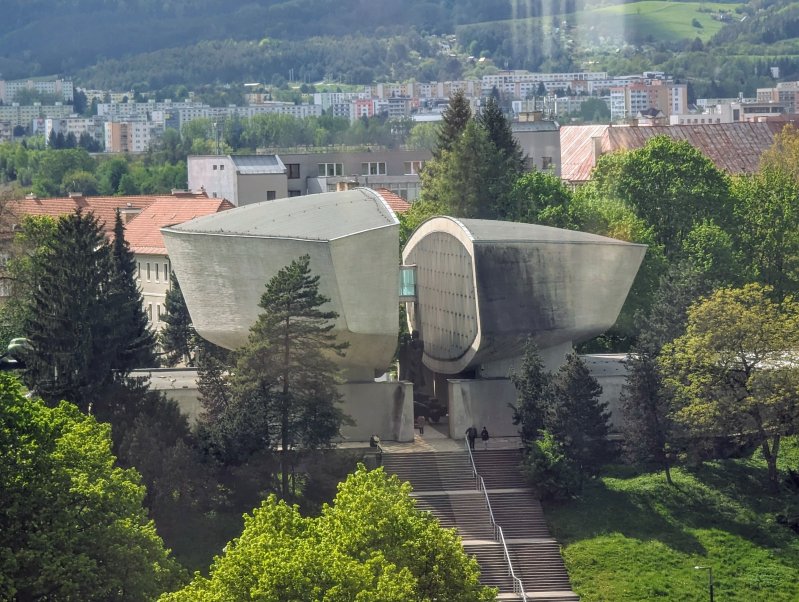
370, 545
734, 369
72, 524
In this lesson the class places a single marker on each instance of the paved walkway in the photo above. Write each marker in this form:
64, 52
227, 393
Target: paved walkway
435, 439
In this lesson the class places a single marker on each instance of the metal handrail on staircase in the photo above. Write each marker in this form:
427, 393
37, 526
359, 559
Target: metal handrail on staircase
518, 586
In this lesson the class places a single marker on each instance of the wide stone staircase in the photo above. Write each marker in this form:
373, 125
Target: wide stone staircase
444, 484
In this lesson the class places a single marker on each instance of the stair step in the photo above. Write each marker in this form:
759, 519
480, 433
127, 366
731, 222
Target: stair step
537, 563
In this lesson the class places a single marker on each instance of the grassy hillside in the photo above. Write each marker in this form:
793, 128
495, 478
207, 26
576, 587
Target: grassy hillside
632, 537
656, 20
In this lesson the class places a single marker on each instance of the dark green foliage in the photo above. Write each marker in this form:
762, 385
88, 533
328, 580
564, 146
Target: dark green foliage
472, 179
69, 321
533, 395
286, 370
552, 474
648, 428
540, 198
579, 420
670, 185
455, 118
135, 342
72, 525
565, 410
84, 316
177, 337
499, 132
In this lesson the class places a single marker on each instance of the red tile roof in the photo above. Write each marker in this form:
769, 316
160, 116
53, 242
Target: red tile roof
396, 202
103, 207
733, 147
143, 232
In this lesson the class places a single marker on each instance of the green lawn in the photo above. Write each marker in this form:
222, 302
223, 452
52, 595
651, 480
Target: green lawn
633, 537
663, 21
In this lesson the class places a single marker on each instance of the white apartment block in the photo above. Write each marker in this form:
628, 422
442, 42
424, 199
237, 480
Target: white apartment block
25, 114
129, 136
58, 87
76, 126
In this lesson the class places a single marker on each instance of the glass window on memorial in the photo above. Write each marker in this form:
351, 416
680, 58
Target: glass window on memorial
407, 283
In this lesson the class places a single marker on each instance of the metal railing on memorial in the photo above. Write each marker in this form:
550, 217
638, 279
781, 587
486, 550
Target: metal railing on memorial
518, 586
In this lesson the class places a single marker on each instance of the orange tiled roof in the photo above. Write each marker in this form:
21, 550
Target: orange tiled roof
103, 207
395, 201
143, 232
733, 147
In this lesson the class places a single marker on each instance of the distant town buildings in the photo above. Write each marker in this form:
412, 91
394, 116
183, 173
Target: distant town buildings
52, 87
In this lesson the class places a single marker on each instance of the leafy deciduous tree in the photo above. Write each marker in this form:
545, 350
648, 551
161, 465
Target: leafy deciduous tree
72, 525
370, 545
732, 371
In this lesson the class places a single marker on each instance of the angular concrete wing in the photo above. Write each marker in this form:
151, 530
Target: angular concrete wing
484, 286
224, 261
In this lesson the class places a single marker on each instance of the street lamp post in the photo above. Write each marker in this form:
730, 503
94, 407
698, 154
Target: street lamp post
709, 570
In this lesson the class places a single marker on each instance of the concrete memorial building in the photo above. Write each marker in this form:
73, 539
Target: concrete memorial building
474, 291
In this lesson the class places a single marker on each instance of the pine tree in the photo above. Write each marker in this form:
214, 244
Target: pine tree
69, 319
177, 337
286, 367
135, 341
579, 420
470, 180
500, 133
532, 402
457, 114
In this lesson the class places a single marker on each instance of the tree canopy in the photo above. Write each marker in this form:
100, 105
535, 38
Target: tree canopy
733, 372
72, 524
286, 368
84, 317
369, 545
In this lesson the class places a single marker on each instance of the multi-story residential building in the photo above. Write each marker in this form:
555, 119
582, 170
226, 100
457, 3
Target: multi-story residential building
129, 136
629, 100
143, 233
241, 179
785, 93
54, 87
25, 114
6, 131
77, 126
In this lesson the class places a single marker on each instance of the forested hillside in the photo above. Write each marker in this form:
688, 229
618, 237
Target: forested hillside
720, 48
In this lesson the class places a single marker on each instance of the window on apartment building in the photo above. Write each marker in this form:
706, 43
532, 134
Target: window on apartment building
271, 195
374, 168
413, 168
157, 272
148, 270
158, 311
214, 166
138, 270
546, 162
150, 312
330, 169
293, 171
293, 193
166, 272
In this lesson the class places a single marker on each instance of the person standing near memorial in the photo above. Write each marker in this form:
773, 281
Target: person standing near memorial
471, 435
484, 437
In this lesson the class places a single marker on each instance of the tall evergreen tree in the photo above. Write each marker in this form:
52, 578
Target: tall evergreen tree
472, 179
500, 133
579, 420
177, 337
457, 114
286, 367
69, 318
135, 346
533, 397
